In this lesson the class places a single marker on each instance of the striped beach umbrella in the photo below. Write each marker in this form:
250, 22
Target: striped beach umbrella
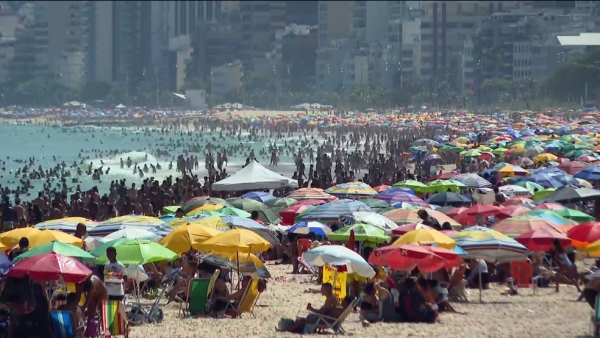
398, 194
151, 224
333, 211
362, 232
515, 226
472, 181
490, 245
352, 188
311, 193
408, 216
67, 224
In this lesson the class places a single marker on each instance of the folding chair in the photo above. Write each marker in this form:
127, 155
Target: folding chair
595, 320
248, 301
211, 286
335, 324
64, 324
303, 266
114, 319
195, 302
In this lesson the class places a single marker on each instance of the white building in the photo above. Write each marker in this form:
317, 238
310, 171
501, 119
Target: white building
226, 79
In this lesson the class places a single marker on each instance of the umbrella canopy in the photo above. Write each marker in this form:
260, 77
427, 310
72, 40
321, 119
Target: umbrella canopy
472, 181
412, 184
213, 222
550, 216
593, 250
132, 233
448, 198
442, 186
181, 239
549, 206
227, 211
375, 204
311, 193
333, 211
362, 232
575, 215
206, 208
109, 226
308, 227
248, 264
352, 188
259, 196
426, 236
572, 168
5, 264
51, 266
59, 248
200, 201
48, 236
591, 173
489, 245
12, 237
232, 241
265, 213
512, 171
290, 213
139, 251
546, 181
398, 194
280, 203
338, 255
407, 257
407, 216
374, 219
515, 226
401, 230
542, 240
572, 194
584, 234
67, 224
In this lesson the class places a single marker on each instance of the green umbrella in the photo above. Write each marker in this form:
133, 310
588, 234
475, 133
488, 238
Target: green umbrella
375, 203
244, 203
171, 209
541, 194
101, 250
138, 251
265, 214
362, 232
470, 153
531, 186
444, 185
280, 203
304, 213
227, 211
59, 248
575, 215
412, 184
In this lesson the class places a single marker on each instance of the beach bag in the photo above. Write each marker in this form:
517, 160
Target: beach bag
93, 328
285, 323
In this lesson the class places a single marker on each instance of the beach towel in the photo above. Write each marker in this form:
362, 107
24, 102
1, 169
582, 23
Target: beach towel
114, 319
62, 324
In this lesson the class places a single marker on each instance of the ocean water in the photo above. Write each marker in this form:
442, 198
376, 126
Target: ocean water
48, 146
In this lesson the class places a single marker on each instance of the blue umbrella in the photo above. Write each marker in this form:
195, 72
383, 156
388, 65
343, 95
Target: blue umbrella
305, 228
546, 181
242, 222
259, 196
591, 173
333, 211
5, 264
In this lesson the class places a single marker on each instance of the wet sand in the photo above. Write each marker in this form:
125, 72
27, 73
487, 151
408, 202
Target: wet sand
546, 314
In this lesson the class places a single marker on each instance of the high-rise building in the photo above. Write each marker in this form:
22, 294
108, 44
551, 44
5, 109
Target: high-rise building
302, 12
184, 16
335, 21
260, 22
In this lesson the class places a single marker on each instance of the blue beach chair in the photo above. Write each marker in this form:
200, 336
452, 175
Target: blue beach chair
63, 324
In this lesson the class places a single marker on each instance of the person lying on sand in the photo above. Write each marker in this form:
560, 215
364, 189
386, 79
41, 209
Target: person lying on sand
330, 308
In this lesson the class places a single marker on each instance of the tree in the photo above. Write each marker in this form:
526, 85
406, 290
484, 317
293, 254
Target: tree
32, 92
568, 83
95, 90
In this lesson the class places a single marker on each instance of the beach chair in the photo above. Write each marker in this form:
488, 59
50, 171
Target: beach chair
64, 324
595, 320
304, 267
211, 286
114, 320
335, 324
196, 301
248, 301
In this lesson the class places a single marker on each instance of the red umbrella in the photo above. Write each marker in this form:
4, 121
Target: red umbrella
351, 241
517, 200
290, 213
587, 158
511, 211
572, 168
406, 258
584, 234
549, 206
541, 240
455, 211
382, 188
486, 210
401, 230
310, 201
451, 257
51, 266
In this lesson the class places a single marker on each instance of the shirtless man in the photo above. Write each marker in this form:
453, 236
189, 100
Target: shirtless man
55, 212
95, 292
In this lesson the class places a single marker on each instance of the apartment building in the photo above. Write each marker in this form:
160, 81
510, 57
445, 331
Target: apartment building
260, 22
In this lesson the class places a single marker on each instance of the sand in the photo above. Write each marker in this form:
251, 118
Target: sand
545, 314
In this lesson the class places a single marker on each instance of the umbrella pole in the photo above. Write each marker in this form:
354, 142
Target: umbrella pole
238, 269
480, 286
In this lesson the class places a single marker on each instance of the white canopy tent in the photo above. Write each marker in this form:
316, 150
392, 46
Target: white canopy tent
252, 177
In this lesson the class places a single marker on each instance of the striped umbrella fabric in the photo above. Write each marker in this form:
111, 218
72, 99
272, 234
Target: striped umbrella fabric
473, 181
489, 245
352, 188
311, 193
67, 224
333, 211
515, 226
408, 216
151, 224
398, 194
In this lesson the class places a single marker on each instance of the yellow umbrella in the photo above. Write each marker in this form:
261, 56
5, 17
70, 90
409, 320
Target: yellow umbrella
181, 239
47, 236
13, 237
178, 222
593, 250
244, 263
545, 157
233, 241
426, 236
206, 207
213, 222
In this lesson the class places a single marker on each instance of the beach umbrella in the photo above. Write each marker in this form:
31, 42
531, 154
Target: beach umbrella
454, 211
352, 188
549, 206
181, 239
540, 195
139, 251
572, 194
92, 242
514, 190
305, 228
542, 240
67, 224
232, 241
213, 222
59, 248
412, 184
206, 208
252, 225
591, 174
111, 225
12, 237
545, 157
575, 215
337, 255
518, 200
407, 257
382, 188
551, 216
373, 219
408, 216
265, 213
426, 236
593, 250
5, 264
333, 211
280, 203
132, 233
472, 181
259, 196
398, 194
546, 181
51, 266
515, 226
583, 183
401, 230
490, 245
227, 211
448, 198
584, 234
362, 232
311, 193
310, 202
532, 187
47, 236
572, 168
170, 209
470, 153
290, 213
444, 186
512, 171
511, 211
375, 204
247, 264
200, 201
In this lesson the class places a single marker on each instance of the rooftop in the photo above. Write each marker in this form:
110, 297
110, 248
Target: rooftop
583, 39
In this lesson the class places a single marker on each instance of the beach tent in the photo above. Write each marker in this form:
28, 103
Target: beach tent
253, 177
121, 106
